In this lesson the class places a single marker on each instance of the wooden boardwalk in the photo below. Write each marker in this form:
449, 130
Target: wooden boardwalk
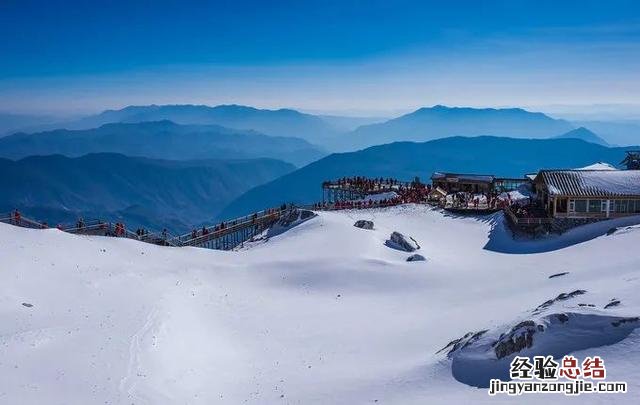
224, 236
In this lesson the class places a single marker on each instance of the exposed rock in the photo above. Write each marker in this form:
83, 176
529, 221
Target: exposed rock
462, 342
295, 215
402, 242
416, 258
564, 273
625, 320
561, 297
562, 318
586, 305
364, 224
520, 337
613, 303
306, 214
26, 304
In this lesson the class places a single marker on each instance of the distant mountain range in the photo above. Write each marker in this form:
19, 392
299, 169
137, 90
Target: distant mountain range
404, 160
161, 140
282, 122
338, 133
584, 134
440, 122
143, 192
615, 132
10, 123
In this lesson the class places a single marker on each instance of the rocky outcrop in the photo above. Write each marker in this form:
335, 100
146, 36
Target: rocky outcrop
295, 216
364, 224
402, 242
520, 337
613, 303
416, 258
560, 297
462, 342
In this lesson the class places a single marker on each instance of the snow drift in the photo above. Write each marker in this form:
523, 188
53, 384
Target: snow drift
322, 313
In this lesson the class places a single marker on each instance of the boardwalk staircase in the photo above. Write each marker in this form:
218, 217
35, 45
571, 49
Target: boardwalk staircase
224, 236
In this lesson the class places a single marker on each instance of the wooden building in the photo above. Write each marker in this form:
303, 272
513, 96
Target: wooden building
456, 182
476, 183
589, 193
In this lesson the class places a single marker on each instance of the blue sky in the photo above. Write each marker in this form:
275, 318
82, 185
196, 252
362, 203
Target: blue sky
368, 57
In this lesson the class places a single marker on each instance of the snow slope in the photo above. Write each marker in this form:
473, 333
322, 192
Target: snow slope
323, 313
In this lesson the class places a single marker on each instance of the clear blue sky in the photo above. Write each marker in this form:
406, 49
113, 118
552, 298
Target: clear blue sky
327, 55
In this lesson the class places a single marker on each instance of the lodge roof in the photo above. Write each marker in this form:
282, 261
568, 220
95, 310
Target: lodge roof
591, 183
478, 178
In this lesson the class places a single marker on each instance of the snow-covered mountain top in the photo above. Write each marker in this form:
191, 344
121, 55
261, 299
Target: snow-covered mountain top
324, 313
598, 166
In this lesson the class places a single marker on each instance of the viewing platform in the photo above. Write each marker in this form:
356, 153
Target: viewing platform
362, 192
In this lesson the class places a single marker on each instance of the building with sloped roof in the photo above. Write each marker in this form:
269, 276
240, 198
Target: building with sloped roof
589, 193
456, 182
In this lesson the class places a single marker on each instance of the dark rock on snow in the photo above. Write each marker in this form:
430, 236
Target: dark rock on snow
564, 273
402, 242
416, 258
560, 297
613, 303
520, 337
462, 342
364, 224
624, 320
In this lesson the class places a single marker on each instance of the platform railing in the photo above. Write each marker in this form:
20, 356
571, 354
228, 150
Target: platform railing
526, 220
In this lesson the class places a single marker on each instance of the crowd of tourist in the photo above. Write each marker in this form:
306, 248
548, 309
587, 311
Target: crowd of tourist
400, 193
363, 184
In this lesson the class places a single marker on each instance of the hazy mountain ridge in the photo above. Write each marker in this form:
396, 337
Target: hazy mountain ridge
615, 132
10, 122
161, 140
154, 193
430, 123
501, 156
281, 122
584, 134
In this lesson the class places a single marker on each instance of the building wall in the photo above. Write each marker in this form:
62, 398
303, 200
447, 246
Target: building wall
581, 207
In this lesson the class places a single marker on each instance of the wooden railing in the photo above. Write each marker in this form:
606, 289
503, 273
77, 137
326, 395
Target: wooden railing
526, 221
10, 218
258, 219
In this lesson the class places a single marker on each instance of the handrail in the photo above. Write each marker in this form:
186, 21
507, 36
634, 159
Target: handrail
229, 229
260, 219
526, 220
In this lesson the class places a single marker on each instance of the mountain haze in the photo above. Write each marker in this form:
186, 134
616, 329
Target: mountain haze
152, 193
584, 134
282, 122
620, 133
161, 140
439, 122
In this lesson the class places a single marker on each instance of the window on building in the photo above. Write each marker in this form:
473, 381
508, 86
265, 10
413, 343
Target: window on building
580, 205
595, 206
621, 206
